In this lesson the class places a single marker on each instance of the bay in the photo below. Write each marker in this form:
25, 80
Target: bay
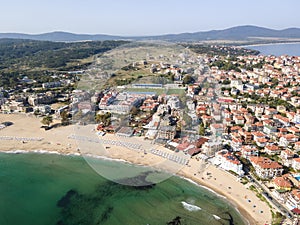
292, 49
37, 189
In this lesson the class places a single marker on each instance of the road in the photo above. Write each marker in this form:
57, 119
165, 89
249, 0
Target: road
269, 197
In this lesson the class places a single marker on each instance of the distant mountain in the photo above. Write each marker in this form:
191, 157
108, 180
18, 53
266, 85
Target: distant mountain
60, 36
234, 33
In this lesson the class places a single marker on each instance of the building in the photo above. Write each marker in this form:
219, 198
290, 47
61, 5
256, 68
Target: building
236, 144
296, 163
51, 84
265, 168
125, 132
282, 183
166, 132
174, 102
43, 98
272, 149
248, 151
286, 157
293, 199
227, 161
85, 107
217, 129
288, 139
210, 147
44, 109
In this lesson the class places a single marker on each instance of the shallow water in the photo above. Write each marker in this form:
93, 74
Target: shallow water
292, 49
54, 189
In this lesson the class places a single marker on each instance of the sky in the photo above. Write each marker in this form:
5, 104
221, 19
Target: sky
141, 17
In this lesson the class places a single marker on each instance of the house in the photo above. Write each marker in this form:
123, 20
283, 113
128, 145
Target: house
296, 163
217, 129
247, 136
248, 151
51, 84
239, 120
269, 127
272, 149
227, 161
286, 157
282, 183
271, 111
236, 143
287, 139
293, 130
297, 146
44, 109
261, 142
258, 135
265, 168
293, 199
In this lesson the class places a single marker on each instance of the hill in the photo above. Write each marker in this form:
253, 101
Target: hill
235, 34
19, 54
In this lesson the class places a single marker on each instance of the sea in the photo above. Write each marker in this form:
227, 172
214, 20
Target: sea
52, 189
292, 49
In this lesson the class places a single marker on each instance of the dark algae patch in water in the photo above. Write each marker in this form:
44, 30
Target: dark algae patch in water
95, 208
86, 209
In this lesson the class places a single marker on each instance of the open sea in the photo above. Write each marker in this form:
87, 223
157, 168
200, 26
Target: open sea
44, 189
292, 49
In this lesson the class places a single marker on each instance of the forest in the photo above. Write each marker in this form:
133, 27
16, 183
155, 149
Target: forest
38, 60
21, 55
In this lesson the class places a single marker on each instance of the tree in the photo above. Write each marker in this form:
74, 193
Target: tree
188, 79
64, 117
104, 118
201, 129
36, 112
47, 120
134, 111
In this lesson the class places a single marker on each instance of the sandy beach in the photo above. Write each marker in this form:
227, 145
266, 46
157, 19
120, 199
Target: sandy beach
26, 134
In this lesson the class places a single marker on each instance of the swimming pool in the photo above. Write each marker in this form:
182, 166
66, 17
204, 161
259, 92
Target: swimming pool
297, 177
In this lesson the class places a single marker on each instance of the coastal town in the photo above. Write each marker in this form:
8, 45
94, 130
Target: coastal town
240, 114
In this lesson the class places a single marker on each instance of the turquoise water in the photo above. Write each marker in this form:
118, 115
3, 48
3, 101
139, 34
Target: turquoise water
38, 189
297, 178
292, 49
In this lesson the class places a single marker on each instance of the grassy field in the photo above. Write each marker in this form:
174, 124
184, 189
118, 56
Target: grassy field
158, 91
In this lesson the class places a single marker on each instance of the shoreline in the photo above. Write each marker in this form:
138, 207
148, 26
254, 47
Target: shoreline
56, 141
245, 216
272, 43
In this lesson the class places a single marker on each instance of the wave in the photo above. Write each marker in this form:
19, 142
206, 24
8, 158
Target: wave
202, 186
216, 217
40, 152
190, 207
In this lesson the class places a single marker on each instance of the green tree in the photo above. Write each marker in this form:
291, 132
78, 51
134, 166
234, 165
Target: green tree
188, 79
201, 129
47, 120
104, 118
64, 117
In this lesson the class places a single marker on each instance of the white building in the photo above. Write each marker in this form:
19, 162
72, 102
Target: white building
265, 168
174, 102
227, 161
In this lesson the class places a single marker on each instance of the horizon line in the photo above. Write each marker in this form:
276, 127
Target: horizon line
147, 35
